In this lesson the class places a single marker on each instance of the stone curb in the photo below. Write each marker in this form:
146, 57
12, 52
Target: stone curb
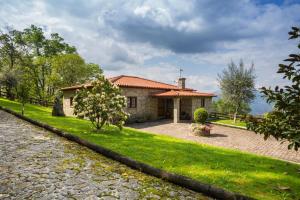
180, 180
227, 125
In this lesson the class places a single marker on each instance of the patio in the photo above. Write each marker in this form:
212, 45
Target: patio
226, 137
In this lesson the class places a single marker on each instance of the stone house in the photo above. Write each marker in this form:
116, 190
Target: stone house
150, 99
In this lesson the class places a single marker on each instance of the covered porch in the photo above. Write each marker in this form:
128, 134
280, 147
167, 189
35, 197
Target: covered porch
175, 108
180, 105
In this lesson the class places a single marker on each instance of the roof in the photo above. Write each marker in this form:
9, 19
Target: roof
133, 81
183, 93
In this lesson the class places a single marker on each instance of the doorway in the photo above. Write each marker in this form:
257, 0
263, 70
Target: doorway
165, 108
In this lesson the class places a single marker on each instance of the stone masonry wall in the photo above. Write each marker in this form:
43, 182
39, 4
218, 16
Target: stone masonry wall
196, 103
146, 105
186, 105
68, 109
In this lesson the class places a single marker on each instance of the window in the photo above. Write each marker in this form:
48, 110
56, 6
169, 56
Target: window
203, 102
71, 101
131, 102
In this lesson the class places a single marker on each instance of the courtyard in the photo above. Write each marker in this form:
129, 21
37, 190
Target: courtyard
222, 136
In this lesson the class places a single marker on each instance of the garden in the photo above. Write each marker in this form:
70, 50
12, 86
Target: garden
256, 176
35, 66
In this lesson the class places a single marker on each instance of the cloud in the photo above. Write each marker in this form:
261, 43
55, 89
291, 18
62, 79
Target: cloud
203, 28
153, 38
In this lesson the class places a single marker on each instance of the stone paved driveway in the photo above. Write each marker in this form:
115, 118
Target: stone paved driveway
225, 137
36, 164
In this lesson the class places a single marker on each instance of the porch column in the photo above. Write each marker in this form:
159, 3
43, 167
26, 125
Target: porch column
176, 114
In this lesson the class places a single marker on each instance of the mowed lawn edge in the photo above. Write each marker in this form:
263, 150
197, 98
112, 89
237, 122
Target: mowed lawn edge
256, 176
229, 122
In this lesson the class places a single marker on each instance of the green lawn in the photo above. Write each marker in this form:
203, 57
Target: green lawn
230, 122
256, 176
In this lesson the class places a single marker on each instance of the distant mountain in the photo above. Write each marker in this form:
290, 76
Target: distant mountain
259, 105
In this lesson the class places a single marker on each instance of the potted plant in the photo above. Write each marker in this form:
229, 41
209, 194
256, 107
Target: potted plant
200, 127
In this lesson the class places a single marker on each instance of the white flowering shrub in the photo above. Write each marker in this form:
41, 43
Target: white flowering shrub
102, 104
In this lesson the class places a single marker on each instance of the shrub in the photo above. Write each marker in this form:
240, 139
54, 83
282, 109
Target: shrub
103, 104
200, 115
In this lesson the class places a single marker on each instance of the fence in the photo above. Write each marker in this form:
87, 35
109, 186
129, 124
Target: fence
216, 115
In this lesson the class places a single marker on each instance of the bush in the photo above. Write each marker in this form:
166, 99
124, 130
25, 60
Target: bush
103, 104
200, 115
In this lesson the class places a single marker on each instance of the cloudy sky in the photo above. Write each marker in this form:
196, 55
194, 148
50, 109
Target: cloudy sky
154, 39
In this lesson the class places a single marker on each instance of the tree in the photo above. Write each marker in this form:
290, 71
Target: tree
70, 69
103, 104
39, 51
237, 85
10, 43
221, 106
92, 70
284, 121
23, 91
8, 78
48, 61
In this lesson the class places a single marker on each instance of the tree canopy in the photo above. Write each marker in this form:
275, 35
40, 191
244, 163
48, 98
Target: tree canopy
222, 106
237, 85
283, 122
47, 62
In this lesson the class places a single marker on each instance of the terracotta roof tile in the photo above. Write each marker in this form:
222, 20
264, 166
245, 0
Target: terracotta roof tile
133, 81
183, 93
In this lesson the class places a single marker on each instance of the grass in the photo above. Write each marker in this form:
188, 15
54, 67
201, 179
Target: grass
230, 122
256, 176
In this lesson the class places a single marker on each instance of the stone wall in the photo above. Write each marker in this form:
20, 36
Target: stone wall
68, 109
186, 106
146, 105
196, 103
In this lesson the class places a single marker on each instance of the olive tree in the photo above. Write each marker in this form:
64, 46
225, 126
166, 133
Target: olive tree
101, 104
237, 85
284, 121
222, 106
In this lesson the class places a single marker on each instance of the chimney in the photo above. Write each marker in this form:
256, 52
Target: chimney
181, 83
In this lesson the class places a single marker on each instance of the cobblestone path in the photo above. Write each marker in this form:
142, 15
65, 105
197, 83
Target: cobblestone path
36, 164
